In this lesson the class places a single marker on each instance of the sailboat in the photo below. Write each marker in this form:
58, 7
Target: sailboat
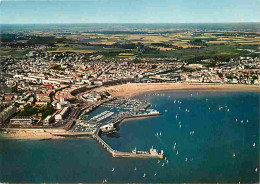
163, 165
135, 169
254, 145
155, 174
144, 175
113, 169
160, 133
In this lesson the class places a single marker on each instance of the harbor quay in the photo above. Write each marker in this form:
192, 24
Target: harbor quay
91, 120
152, 153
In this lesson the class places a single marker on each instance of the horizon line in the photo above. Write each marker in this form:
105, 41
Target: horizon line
131, 23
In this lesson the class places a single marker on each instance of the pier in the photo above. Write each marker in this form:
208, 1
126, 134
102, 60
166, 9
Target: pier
116, 153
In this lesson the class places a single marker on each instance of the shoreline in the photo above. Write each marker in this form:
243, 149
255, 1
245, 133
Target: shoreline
134, 89
124, 90
41, 134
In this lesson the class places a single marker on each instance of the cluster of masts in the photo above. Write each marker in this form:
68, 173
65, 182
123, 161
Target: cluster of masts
124, 103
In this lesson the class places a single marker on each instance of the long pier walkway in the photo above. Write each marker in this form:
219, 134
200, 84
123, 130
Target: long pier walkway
116, 153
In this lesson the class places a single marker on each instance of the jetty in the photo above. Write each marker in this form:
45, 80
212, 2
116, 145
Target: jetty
134, 154
115, 153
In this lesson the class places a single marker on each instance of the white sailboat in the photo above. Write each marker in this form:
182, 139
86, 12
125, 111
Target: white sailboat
254, 145
163, 165
113, 169
144, 175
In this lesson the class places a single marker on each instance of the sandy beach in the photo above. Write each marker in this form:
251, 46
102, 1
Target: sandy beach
32, 134
133, 89
125, 90
42, 134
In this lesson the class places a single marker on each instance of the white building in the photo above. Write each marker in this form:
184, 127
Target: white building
63, 113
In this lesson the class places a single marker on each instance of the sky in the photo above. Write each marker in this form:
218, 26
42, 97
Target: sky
128, 11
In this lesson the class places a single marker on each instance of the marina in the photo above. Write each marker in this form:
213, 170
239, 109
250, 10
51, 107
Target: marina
115, 112
185, 152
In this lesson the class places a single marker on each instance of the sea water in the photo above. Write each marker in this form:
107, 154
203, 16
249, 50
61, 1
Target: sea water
214, 144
